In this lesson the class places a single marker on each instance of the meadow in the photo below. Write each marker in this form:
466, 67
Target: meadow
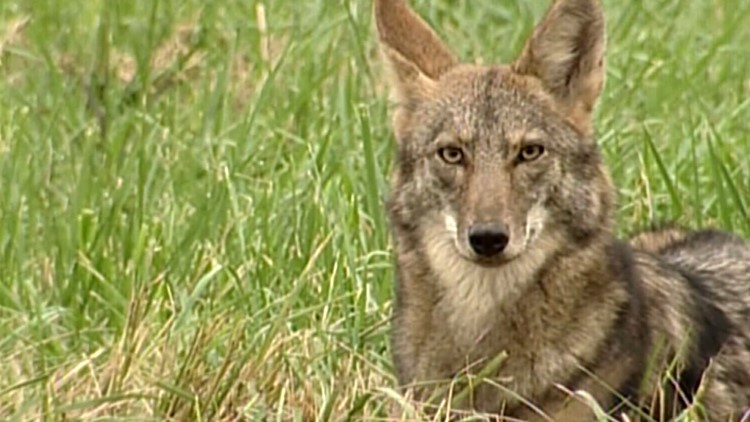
192, 193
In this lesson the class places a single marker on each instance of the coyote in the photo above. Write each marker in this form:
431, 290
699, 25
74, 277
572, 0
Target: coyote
502, 217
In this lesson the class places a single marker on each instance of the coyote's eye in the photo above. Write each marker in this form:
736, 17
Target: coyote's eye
530, 153
451, 155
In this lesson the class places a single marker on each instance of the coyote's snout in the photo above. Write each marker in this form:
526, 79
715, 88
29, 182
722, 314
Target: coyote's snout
502, 214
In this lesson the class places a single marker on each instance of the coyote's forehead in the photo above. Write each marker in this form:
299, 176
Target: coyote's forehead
476, 103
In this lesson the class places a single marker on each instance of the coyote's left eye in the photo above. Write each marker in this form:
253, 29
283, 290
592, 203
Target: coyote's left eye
530, 153
451, 155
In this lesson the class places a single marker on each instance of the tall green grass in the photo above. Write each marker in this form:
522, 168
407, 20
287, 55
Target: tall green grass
191, 193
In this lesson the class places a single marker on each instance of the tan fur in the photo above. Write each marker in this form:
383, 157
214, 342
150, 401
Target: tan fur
656, 241
574, 308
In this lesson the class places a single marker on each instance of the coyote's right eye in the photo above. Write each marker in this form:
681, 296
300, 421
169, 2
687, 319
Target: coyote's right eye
530, 153
451, 155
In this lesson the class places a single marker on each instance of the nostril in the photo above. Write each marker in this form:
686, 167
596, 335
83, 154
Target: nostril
488, 239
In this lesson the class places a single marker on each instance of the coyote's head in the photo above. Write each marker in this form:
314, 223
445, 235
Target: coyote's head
498, 161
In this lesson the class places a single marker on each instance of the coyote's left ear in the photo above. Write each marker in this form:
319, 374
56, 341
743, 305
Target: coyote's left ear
566, 52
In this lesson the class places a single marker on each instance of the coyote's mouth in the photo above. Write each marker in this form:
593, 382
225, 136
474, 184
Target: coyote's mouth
521, 239
495, 262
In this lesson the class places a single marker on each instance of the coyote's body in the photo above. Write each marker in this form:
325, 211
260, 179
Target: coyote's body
502, 216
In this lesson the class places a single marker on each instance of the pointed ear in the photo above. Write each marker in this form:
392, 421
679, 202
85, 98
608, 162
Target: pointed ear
566, 52
415, 53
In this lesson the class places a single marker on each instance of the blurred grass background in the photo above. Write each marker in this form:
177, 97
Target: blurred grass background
191, 193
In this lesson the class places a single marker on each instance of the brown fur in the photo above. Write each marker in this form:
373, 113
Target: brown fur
574, 308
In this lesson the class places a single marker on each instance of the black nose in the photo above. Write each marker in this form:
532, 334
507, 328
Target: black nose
488, 239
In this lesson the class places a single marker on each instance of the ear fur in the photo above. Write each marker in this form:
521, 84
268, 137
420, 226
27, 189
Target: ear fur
566, 53
416, 54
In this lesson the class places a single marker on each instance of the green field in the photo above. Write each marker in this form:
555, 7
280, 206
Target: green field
191, 193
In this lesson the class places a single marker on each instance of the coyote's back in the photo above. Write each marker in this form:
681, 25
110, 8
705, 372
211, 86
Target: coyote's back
502, 211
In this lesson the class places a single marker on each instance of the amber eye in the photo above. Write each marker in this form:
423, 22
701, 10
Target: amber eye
531, 153
451, 155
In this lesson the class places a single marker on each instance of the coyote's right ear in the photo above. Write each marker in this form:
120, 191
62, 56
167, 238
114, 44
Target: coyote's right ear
416, 54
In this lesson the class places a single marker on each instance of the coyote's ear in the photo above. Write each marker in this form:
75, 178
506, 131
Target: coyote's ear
566, 52
415, 53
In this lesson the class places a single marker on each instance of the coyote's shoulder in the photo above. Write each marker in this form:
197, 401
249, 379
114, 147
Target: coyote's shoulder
502, 215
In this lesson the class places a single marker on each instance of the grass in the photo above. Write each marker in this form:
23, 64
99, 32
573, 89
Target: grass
191, 195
